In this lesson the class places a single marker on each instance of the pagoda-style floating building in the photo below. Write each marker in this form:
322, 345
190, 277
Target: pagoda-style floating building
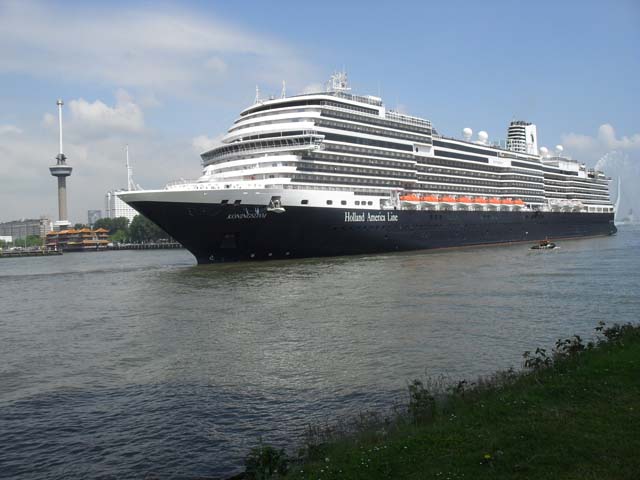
78, 240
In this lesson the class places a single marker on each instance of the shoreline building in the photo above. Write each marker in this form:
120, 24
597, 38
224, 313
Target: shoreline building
19, 229
81, 240
114, 207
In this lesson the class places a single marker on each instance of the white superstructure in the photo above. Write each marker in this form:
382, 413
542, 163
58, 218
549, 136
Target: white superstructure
336, 149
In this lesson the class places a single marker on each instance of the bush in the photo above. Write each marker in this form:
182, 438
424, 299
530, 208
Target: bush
265, 462
422, 402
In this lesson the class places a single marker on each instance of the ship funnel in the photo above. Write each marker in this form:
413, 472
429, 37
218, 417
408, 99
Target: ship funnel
522, 137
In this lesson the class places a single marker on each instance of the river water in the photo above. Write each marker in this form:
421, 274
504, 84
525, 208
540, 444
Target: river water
122, 364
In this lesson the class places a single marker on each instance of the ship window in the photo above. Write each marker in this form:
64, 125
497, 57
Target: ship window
237, 202
369, 202
357, 202
224, 202
304, 202
343, 202
329, 202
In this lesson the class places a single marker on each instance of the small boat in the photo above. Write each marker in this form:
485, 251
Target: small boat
544, 245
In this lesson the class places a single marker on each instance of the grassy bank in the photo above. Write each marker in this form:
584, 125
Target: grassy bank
573, 413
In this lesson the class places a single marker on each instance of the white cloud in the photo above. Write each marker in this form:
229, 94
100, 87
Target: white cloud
9, 130
592, 148
215, 64
87, 121
168, 50
202, 143
28, 190
199, 68
618, 157
125, 115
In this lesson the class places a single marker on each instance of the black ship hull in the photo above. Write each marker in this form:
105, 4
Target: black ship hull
221, 233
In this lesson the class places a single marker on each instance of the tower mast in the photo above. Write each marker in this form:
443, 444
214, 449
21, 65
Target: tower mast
61, 170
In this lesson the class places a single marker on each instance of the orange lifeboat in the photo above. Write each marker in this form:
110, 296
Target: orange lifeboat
410, 198
430, 198
495, 201
507, 201
480, 200
465, 200
518, 201
448, 198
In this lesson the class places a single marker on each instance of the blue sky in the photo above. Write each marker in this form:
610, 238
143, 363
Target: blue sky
169, 78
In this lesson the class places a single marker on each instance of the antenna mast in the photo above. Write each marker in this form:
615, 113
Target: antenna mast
129, 175
617, 205
61, 158
338, 82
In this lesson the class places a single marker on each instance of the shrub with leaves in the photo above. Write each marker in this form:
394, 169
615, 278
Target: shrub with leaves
538, 360
264, 462
569, 346
422, 403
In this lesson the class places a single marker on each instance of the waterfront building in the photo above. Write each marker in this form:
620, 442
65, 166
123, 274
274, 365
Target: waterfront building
76, 240
19, 229
115, 207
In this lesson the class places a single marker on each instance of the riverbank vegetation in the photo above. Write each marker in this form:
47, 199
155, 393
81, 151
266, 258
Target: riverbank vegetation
141, 230
572, 413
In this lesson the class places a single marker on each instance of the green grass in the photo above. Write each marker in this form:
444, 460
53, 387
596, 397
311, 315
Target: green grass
578, 418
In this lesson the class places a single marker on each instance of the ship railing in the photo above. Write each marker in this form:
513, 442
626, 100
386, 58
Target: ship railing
358, 98
391, 116
179, 184
284, 144
375, 101
402, 118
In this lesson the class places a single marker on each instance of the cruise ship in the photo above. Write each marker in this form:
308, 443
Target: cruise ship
334, 173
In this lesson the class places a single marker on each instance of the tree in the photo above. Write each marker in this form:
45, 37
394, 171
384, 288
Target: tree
103, 223
112, 224
118, 237
144, 230
120, 223
33, 241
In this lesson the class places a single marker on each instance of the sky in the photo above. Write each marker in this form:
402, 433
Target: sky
169, 78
